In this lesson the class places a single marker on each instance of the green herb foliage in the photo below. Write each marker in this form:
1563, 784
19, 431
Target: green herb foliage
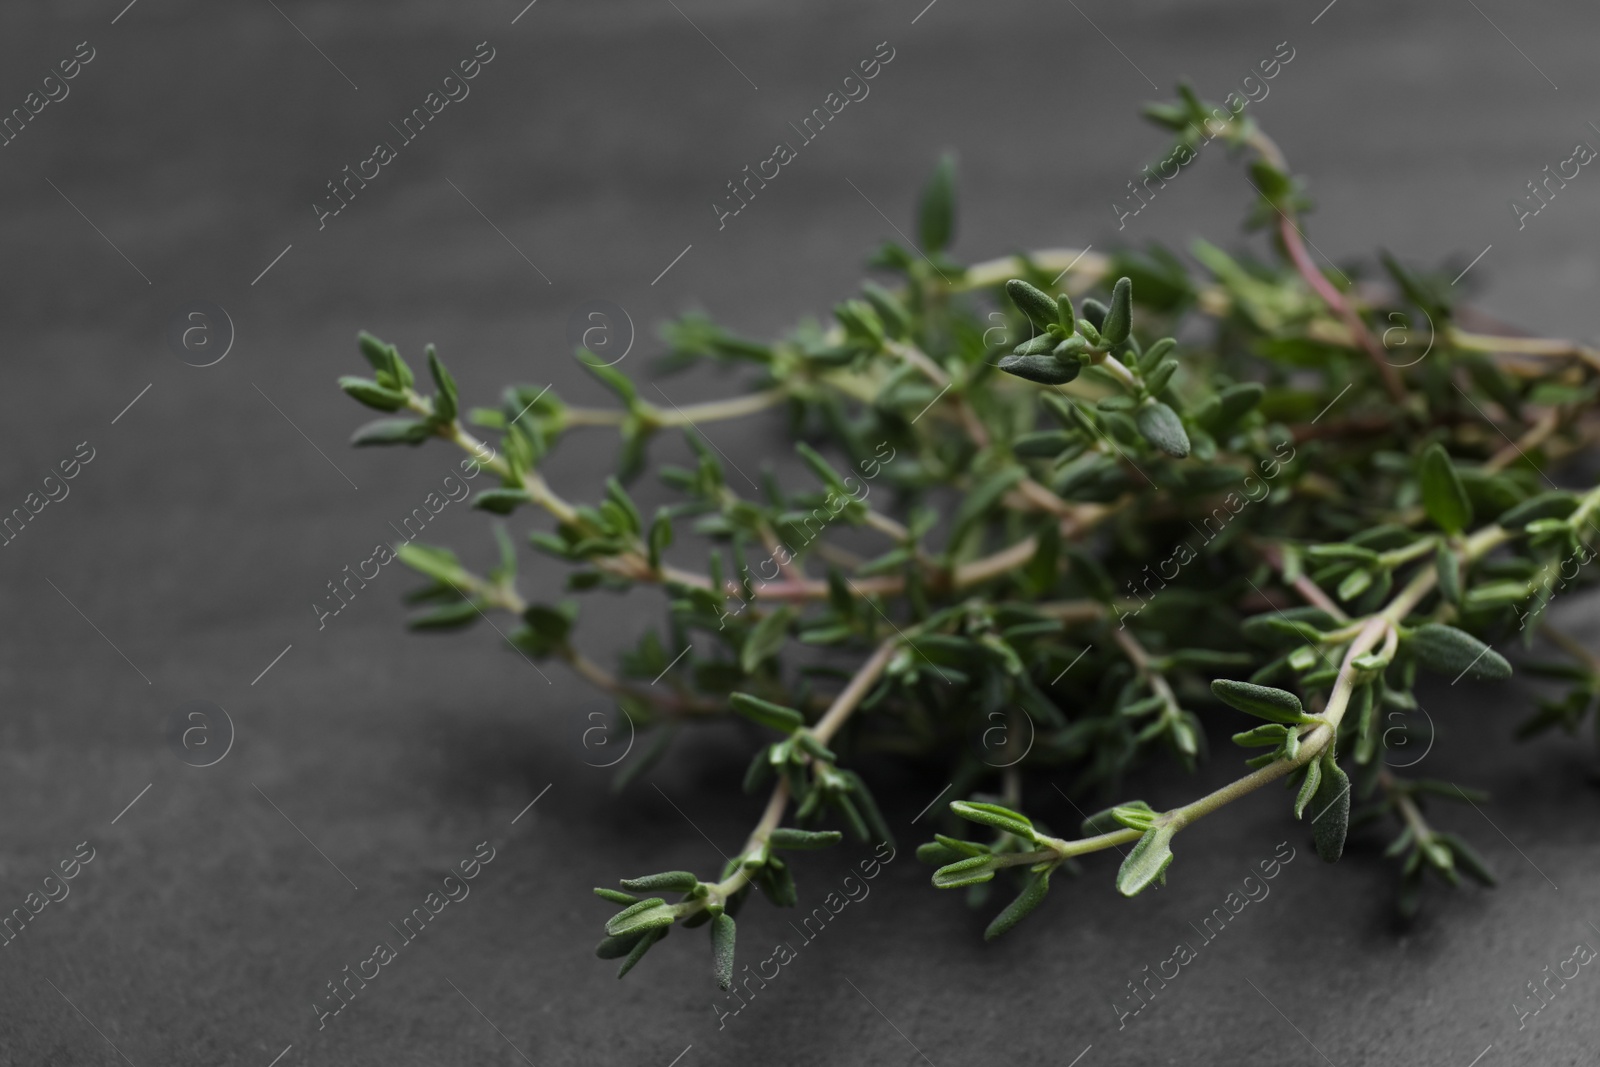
1111, 541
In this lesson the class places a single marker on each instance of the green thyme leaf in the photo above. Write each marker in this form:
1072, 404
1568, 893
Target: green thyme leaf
1131, 814
1443, 496
765, 713
1455, 652
787, 838
1308, 787
372, 394
1147, 861
971, 871
640, 947
1037, 305
994, 815
446, 402
722, 936
1019, 908
1262, 701
766, 639
1119, 316
637, 918
1162, 428
612, 948
1046, 370
676, 881
1330, 807
1467, 858
392, 432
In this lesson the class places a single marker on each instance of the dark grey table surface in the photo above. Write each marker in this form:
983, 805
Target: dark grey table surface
187, 156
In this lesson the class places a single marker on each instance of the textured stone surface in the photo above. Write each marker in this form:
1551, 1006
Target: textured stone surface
197, 139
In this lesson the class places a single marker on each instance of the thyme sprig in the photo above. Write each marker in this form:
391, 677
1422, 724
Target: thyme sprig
1121, 502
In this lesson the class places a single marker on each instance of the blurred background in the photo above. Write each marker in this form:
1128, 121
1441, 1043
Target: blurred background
182, 163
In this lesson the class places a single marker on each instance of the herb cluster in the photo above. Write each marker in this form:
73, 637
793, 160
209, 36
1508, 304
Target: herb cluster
1362, 517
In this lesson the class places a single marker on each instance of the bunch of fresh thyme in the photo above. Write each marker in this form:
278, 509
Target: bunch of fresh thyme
1094, 528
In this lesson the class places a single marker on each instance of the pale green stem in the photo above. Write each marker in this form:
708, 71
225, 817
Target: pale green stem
838, 713
1318, 735
1141, 663
1415, 550
689, 415
1117, 370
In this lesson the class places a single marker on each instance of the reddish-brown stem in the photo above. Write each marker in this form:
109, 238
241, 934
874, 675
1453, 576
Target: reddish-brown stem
1308, 590
1294, 244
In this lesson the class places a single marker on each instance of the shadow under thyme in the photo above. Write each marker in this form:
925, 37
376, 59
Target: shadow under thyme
855, 890
341, 994
1252, 890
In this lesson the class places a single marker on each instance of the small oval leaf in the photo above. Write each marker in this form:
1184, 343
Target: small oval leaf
1147, 861
1026, 901
722, 934
1456, 652
1330, 808
1262, 701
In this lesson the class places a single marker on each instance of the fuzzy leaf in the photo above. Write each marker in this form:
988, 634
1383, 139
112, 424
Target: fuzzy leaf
1158, 378
1161, 426
1262, 701
1232, 404
660, 535
1448, 566
637, 918
375, 351
439, 564
1018, 909
937, 853
1046, 370
1455, 652
675, 881
722, 934
1330, 808
1552, 505
979, 499
447, 616
640, 947
1147, 861
1131, 814
1119, 316
766, 639
970, 871
1354, 584
1467, 858
785, 837
1444, 498
964, 848
1308, 788
612, 948
392, 432
1039, 345
372, 394
1269, 736
446, 402
776, 881
1045, 445
609, 376
1035, 303
765, 713
994, 815
501, 501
